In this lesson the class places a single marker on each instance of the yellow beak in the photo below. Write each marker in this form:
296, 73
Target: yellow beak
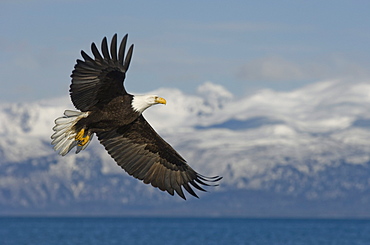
160, 100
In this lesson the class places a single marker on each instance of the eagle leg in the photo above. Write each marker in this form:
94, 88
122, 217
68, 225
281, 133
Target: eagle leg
82, 140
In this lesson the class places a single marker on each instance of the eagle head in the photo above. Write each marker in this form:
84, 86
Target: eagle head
141, 102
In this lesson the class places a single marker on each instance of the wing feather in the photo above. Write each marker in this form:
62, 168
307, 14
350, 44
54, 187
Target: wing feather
96, 53
113, 47
97, 80
193, 183
128, 57
104, 49
178, 185
142, 153
87, 58
122, 47
167, 181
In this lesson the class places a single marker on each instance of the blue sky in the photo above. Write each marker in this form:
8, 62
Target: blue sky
242, 45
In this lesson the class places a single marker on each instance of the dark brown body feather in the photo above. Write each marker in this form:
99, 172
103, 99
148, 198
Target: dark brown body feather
97, 87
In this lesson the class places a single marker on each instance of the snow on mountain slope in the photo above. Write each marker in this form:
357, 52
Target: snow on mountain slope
311, 143
318, 119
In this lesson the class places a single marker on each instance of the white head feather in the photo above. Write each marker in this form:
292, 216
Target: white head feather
141, 102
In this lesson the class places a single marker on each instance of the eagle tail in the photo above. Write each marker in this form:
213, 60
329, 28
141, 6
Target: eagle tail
65, 136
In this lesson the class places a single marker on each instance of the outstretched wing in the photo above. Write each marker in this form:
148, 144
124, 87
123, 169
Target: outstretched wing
142, 153
97, 81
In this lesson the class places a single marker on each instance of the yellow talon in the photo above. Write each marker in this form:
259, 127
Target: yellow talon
84, 140
80, 137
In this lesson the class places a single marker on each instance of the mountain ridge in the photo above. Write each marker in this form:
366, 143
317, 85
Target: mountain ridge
293, 149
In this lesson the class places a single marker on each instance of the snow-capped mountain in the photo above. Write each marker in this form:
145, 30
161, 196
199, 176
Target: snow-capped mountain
299, 153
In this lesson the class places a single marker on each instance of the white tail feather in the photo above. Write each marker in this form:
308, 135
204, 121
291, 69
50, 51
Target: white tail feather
64, 136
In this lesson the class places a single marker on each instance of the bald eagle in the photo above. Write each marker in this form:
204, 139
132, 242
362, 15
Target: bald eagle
115, 116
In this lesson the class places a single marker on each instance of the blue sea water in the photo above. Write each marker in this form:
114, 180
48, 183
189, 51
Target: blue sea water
77, 230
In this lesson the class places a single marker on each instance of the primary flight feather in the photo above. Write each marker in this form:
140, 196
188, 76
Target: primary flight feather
115, 116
